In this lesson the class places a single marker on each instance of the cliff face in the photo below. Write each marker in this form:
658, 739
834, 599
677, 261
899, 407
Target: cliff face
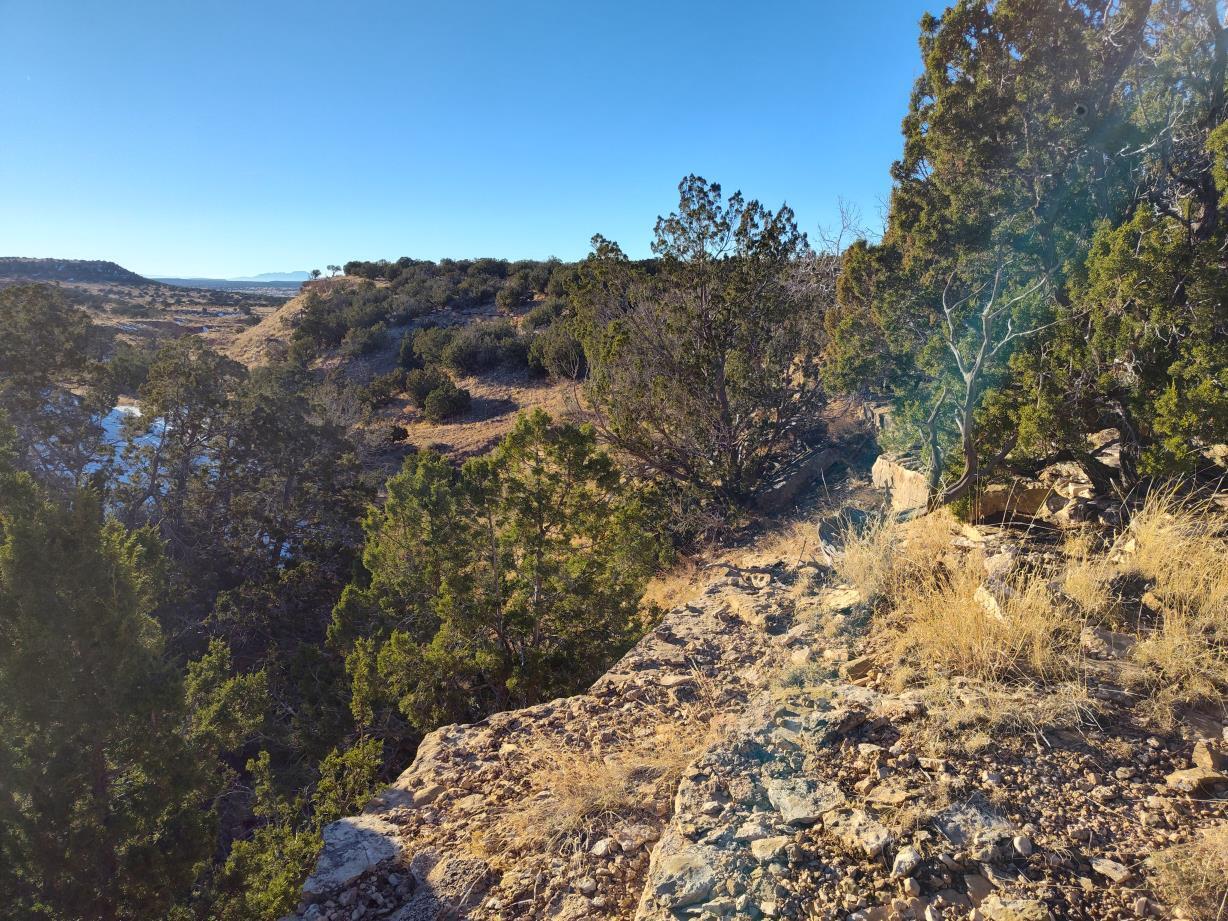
748, 759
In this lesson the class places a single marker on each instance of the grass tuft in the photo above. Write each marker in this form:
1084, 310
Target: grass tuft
1193, 877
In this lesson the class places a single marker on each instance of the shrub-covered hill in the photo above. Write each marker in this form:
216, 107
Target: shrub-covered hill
21, 268
427, 354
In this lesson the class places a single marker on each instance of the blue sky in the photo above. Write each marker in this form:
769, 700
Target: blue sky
228, 138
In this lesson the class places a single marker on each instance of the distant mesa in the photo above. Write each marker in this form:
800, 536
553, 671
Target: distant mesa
273, 276
21, 268
283, 283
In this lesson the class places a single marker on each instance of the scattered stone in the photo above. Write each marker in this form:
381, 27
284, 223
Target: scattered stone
1106, 644
1195, 779
857, 668
684, 879
1000, 908
858, 831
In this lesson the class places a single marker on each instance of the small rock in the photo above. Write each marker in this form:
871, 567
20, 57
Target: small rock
685, 879
767, 849
1208, 758
1194, 779
1105, 644
997, 908
857, 668
587, 885
858, 831
979, 888
1117, 872
1022, 845
906, 862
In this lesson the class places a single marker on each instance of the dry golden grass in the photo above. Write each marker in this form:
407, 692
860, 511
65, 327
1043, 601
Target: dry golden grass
579, 795
888, 555
1178, 548
1193, 877
949, 622
1088, 575
1179, 545
966, 716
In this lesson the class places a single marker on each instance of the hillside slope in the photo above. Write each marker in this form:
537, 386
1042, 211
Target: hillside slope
756, 756
139, 310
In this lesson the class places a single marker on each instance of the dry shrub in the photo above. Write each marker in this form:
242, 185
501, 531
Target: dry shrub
949, 621
867, 558
1193, 877
1178, 548
888, 554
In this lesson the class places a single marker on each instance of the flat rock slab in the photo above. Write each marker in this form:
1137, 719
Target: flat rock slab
352, 846
684, 878
802, 801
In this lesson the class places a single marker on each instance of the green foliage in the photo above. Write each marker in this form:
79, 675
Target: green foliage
702, 365
478, 347
447, 401
52, 388
1068, 150
105, 800
421, 382
545, 313
226, 708
513, 580
557, 351
407, 358
364, 340
264, 873
431, 342
384, 388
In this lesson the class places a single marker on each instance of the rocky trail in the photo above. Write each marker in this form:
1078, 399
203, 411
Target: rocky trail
749, 759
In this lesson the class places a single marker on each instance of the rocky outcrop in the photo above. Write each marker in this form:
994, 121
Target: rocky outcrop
471, 785
802, 783
903, 481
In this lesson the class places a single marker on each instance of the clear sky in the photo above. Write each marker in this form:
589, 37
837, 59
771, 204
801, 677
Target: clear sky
223, 138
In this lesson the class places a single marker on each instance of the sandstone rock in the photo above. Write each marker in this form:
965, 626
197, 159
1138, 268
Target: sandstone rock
907, 486
352, 846
801, 801
685, 878
857, 668
1000, 500
858, 831
1004, 908
1117, 872
1195, 779
1106, 644
1208, 758
906, 862
767, 849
